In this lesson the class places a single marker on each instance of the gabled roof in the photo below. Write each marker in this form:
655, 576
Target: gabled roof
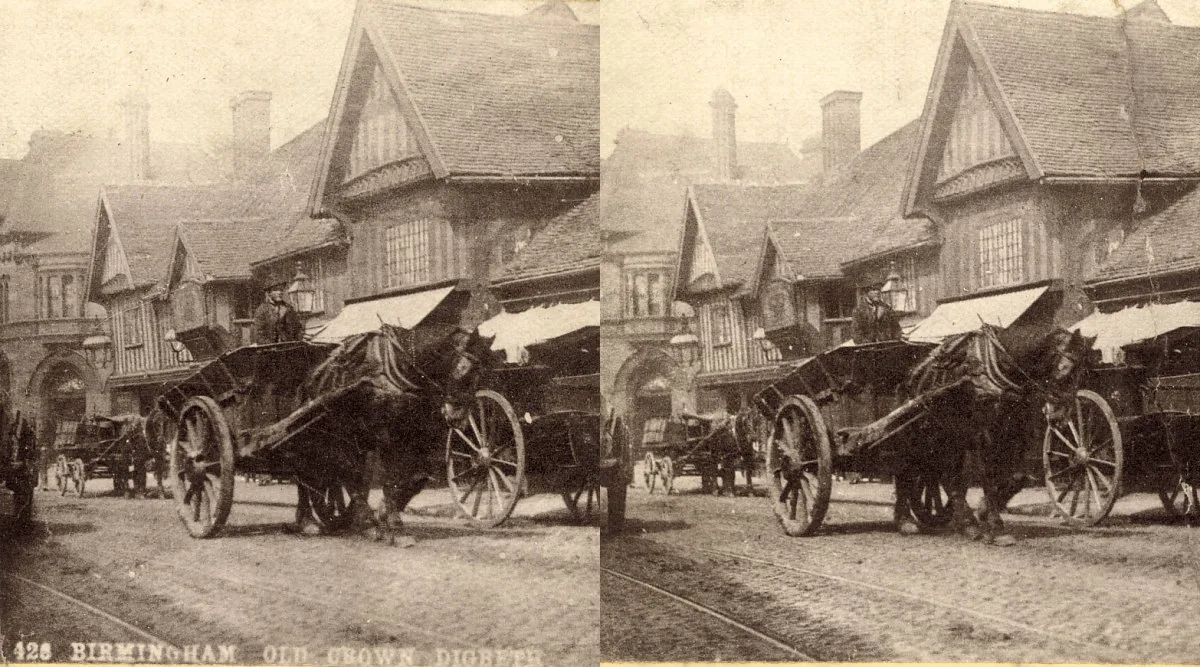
819, 227
271, 198
1166, 242
224, 248
733, 218
647, 174
1080, 96
486, 95
813, 248
55, 196
567, 244
144, 217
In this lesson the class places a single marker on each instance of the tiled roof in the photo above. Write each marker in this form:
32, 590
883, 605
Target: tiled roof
61, 175
858, 209
1096, 96
567, 243
499, 95
647, 174
225, 247
814, 247
145, 217
268, 206
735, 216
1165, 242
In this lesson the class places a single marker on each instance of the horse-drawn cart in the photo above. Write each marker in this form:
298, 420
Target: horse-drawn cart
912, 409
105, 448
705, 446
315, 411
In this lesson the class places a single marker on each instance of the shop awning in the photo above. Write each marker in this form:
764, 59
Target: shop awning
516, 332
1135, 324
958, 317
404, 310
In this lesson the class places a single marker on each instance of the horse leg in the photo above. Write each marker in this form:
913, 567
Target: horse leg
306, 522
954, 479
905, 489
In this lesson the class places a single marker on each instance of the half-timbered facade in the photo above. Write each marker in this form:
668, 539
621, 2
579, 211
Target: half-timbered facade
645, 181
180, 269
1045, 138
775, 272
444, 167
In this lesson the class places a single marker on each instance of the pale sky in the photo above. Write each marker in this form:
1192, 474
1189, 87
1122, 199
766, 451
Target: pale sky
661, 60
66, 64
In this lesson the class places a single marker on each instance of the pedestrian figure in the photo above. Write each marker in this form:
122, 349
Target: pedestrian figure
275, 321
874, 319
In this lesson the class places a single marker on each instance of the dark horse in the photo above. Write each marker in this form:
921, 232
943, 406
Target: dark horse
986, 381
750, 431
407, 386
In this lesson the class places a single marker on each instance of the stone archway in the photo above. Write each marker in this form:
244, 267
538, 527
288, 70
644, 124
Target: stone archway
651, 384
63, 388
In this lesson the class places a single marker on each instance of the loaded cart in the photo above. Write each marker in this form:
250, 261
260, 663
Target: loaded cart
102, 448
704, 446
1150, 376
908, 408
314, 411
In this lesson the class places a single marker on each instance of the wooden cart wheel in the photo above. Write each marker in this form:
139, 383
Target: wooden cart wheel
1178, 497
931, 504
485, 460
649, 472
619, 447
79, 476
61, 474
202, 466
666, 468
1083, 460
800, 466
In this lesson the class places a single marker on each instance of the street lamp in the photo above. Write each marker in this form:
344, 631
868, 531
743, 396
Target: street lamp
301, 292
894, 290
686, 347
98, 349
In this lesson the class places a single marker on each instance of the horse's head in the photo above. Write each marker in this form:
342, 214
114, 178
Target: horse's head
1063, 362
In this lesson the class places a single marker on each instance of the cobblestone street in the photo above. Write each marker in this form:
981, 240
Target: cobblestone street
859, 591
530, 585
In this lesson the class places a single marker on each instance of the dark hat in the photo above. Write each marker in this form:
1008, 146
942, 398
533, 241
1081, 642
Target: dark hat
282, 287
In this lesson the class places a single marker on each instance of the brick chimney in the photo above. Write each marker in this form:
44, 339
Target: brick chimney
137, 136
251, 128
840, 129
724, 129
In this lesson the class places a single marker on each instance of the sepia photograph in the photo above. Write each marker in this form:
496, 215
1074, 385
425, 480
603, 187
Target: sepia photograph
899, 326
300, 333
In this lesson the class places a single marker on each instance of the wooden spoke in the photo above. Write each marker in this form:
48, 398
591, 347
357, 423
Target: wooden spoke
500, 474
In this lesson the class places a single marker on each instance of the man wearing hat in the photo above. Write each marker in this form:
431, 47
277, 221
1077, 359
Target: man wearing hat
275, 321
874, 319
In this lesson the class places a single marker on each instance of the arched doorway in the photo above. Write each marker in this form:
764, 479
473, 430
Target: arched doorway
63, 398
650, 385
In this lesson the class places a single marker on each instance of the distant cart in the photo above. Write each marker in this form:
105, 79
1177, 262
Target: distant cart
102, 448
703, 446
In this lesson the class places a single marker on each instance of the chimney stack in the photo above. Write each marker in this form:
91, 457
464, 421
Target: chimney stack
251, 128
137, 135
841, 134
724, 129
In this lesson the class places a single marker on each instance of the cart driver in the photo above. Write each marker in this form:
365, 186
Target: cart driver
874, 319
275, 321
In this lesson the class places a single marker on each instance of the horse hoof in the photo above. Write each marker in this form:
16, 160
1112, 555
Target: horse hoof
972, 532
1004, 540
909, 528
310, 529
